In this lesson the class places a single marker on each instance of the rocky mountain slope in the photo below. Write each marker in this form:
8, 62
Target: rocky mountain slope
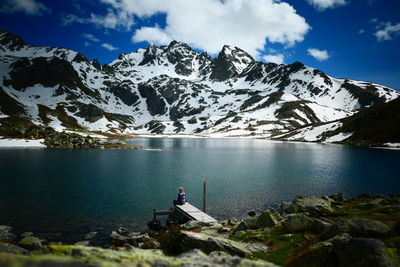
378, 125
173, 89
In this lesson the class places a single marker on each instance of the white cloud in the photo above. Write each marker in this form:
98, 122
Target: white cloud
90, 37
30, 7
209, 24
361, 31
87, 44
321, 5
278, 58
112, 20
109, 47
386, 31
320, 55
151, 35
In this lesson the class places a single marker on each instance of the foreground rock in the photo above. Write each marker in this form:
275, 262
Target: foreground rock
79, 256
5, 233
343, 250
360, 227
31, 243
13, 249
207, 243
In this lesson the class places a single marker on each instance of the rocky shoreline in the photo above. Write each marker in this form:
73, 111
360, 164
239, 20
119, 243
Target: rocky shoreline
16, 127
308, 231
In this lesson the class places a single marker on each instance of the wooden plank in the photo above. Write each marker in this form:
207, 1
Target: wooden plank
194, 213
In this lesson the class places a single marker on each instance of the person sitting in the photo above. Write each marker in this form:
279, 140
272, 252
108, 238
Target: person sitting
181, 197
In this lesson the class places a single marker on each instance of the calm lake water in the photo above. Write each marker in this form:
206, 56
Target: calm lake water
64, 194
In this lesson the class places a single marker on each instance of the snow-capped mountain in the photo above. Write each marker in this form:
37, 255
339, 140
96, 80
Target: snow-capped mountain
173, 89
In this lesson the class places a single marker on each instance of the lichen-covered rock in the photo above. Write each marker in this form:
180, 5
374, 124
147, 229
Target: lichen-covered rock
241, 226
31, 243
297, 222
144, 241
267, 219
359, 227
251, 222
287, 208
313, 205
80, 256
10, 248
363, 252
118, 239
321, 226
208, 243
221, 259
90, 235
5, 234
82, 243
338, 197
190, 225
319, 254
123, 231
5, 228
26, 234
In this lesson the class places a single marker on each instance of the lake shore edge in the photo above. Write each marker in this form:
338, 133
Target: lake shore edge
308, 231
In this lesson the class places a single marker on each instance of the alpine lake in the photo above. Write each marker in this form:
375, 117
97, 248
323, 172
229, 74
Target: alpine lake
64, 194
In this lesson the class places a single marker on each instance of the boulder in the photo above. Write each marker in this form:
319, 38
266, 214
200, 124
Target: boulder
297, 222
82, 243
314, 206
277, 215
217, 258
340, 240
123, 231
251, 213
190, 225
319, 254
338, 197
223, 230
360, 228
5, 228
321, 226
287, 208
13, 249
251, 222
143, 241
242, 226
118, 239
5, 234
90, 235
31, 243
363, 252
26, 234
208, 243
266, 219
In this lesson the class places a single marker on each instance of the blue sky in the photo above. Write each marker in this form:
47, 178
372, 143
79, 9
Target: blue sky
357, 39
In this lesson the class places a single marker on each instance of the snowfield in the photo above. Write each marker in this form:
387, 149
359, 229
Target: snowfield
22, 143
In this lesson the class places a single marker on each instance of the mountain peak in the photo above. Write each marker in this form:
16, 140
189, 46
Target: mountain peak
10, 40
231, 61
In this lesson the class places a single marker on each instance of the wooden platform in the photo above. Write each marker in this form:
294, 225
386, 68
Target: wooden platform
194, 213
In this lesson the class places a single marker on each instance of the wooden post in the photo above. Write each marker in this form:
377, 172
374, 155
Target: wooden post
204, 193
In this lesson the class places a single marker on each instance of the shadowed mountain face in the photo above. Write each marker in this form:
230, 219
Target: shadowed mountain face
173, 89
378, 125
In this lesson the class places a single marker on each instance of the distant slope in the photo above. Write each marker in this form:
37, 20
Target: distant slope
173, 89
373, 126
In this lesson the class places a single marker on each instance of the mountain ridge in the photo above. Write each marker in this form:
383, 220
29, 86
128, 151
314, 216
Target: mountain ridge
173, 89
